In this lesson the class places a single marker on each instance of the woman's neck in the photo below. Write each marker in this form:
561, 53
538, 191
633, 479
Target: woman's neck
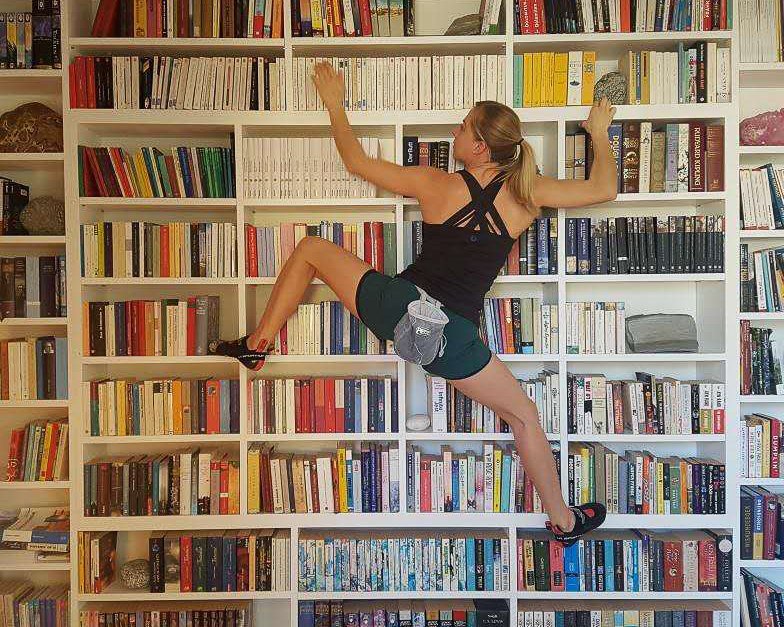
483, 172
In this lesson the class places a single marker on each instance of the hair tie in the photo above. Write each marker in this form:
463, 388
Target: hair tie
521, 142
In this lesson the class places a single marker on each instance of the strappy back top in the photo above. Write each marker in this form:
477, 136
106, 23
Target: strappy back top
459, 261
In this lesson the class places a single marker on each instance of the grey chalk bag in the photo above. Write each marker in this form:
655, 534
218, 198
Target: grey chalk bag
419, 334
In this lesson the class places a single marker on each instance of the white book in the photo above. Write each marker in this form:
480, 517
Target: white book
479, 74
438, 82
645, 157
185, 484
203, 493
488, 477
449, 82
425, 84
468, 82
437, 395
459, 82
683, 157
575, 77
620, 328
491, 82
723, 75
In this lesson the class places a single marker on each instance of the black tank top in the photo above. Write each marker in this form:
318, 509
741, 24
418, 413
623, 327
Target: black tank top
458, 263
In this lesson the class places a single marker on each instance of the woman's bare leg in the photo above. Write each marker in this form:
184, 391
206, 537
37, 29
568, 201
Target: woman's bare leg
312, 257
495, 387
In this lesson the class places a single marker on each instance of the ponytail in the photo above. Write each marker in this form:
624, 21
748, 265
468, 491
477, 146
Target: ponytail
499, 128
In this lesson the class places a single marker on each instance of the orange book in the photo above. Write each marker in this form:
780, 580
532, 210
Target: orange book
213, 406
329, 404
234, 487
177, 406
277, 19
223, 499
321, 419
164, 252
509, 346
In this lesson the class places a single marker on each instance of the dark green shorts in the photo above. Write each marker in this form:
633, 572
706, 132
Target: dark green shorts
381, 302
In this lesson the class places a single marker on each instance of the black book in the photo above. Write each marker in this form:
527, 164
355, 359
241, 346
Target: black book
491, 612
42, 34
542, 565
622, 245
156, 563
584, 246
571, 245
632, 234
620, 576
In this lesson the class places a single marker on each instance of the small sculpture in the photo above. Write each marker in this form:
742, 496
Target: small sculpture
31, 127
135, 574
465, 25
614, 86
44, 215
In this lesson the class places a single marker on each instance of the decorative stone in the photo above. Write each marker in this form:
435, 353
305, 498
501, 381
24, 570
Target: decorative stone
31, 127
418, 422
466, 25
44, 215
613, 85
135, 574
763, 129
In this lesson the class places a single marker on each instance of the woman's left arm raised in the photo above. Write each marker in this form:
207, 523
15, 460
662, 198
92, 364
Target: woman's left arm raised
411, 181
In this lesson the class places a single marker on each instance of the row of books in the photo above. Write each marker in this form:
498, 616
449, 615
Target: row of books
34, 368
41, 529
228, 561
760, 361
760, 600
188, 172
436, 153
512, 325
302, 167
35, 605
645, 245
350, 480
535, 251
633, 561
179, 83
14, 197
760, 32
33, 287
595, 328
438, 613
761, 200
328, 328
147, 249
761, 524
760, 446
267, 248
32, 39
620, 16
648, 405
492, 480
452, 82
357, 18
229, 614
639, 482
39, 451
451, 411
187, 483
172, 326
378, 562
557, 79
201, 18
127, 407
323, 405
672, 157
761, 279
624, 618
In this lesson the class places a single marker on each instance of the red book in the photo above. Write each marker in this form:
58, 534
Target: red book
526, 16
72, 78
186, 563
335, 485
714, 158
164, 250
673, 566
706, 556
251, 253
378, 245
91, 164
14, 455
213, 406
540, 26
707, 22
696, 157
151, 18
169, 161
320, 420
365, 20
769, 520
329, 405
513, 259
509, 345
308, 398
258, 24
337, 19
520, 565
135, 344
122, 176
723, 14
191, 326
223, 502
92, 102
424, 486
183, 19
107, 19
775, 443
4, 377
159, 18
297, 406
53, 442
81, 82
340, 412
556, 566
243, 562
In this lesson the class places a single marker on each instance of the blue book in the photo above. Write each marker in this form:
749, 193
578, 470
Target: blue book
40, 392
61, 367
572, 568
348, 403
394, 407
678, 618
357, 409
559, 619
381, 423
506, 481
775, 195
455, 485
609, 566
229, 563
488, 559
385, 583
542, 239
635, 567
224, 405
156, 471
615, 135
471, 563
214, 564
152, 174
618, 616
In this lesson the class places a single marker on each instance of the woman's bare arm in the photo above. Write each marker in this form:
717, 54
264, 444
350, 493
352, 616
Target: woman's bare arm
411, 181
602, 184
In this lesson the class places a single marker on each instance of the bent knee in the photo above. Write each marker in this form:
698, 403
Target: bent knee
524, 416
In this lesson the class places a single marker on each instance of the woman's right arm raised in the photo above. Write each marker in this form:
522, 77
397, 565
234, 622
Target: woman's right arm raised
410, 181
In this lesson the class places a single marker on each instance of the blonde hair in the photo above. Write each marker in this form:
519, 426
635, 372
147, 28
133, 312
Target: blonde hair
499, 127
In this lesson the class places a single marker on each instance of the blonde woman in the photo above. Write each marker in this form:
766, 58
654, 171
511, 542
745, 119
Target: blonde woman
471, 219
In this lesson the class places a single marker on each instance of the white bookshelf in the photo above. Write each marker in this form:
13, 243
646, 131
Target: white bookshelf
711, 298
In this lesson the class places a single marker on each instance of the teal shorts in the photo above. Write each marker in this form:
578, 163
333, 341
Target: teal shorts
381, 302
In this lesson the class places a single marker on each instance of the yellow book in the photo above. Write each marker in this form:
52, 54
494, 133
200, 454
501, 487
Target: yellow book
101, 250
645, 75
127, 162
536, 96
498, 458
234, 487
585, 492
342, 483
528, 70
560, 74
589, 76
315, 16
177, 406
122, 390
80, 559
45, 456
140, 172
766, 448
530, 567
254, 501
139, 18
544, 79
659, 488
549, 83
